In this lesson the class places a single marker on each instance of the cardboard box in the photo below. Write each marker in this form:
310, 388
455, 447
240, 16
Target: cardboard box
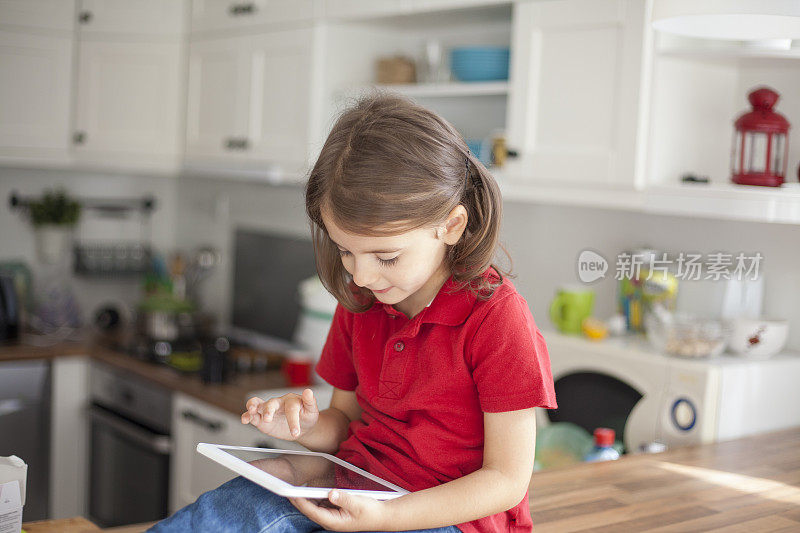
13, 474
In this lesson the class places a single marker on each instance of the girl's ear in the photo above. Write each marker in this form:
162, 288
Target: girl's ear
454, 226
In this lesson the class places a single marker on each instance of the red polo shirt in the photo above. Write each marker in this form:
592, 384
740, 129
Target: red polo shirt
424, 384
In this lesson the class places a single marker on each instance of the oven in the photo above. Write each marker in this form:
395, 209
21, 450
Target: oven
130, 446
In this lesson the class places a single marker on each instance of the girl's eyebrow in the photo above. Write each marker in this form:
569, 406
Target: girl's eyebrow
370, 252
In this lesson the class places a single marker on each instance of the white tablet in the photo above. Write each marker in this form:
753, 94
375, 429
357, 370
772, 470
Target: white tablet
299, 474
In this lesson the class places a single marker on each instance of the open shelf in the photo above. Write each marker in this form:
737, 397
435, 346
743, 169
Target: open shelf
448, 89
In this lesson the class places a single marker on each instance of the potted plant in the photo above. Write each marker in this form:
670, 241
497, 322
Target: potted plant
54, 217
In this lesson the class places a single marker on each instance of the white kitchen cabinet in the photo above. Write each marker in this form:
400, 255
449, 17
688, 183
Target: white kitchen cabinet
216, 15
130, 86
69, 463
577, 96
128, 104
35, 98
195, 421
57, 15
251, 103
142, 17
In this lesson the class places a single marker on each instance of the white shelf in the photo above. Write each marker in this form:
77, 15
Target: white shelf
448, 89
779, 205
730, 53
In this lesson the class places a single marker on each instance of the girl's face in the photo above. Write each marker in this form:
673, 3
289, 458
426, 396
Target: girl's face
406, 269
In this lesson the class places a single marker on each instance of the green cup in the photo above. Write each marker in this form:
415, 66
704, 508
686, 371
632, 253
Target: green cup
570, 306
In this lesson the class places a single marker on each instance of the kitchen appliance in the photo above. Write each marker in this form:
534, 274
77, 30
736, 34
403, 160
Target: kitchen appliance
10, 313
25, 428
268, 268
130, 443
644, 396
761, 142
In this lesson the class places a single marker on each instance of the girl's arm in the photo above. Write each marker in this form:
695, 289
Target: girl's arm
499, 485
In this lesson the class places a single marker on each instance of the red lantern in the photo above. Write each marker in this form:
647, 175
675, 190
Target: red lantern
760, 145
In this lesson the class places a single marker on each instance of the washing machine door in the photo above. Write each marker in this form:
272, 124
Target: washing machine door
593, 397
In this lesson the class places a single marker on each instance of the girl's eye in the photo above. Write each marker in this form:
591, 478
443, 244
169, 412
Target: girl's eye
343, 253
388, 262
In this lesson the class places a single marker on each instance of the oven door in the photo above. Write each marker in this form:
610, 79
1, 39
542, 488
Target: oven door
129, 471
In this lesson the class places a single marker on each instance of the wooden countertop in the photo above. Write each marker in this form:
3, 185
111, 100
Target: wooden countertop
230, 396
749, 485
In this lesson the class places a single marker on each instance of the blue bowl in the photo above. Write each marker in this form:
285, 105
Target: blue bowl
480, 63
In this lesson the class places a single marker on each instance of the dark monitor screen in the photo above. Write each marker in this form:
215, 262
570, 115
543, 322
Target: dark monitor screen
267, 269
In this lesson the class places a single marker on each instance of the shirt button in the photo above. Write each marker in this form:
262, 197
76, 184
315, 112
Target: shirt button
398, 346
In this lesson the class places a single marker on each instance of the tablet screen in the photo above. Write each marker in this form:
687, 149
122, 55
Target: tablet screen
307, 470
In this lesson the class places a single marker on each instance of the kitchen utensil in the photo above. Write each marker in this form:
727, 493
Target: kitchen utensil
480, 63
758, 338
297, 372
570, 306
432, 66
685, 335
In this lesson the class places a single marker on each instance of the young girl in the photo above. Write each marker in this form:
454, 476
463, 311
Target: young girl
434, 357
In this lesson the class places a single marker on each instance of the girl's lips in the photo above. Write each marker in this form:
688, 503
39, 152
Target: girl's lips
382, 291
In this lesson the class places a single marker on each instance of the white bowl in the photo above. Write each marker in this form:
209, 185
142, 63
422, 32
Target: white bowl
758, 338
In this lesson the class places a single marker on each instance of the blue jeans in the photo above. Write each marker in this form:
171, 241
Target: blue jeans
241, 506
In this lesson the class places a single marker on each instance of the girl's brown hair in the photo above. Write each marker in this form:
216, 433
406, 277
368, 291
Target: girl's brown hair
389, 166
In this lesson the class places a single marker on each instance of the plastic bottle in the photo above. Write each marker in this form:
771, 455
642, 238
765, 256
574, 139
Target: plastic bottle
603, 446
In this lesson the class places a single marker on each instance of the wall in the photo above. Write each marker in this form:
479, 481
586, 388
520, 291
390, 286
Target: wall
17, 237
544, 242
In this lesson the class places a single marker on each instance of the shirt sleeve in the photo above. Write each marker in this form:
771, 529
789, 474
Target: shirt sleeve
511, 366
336, 362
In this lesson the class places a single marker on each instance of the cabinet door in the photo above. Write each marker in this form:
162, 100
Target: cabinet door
218, 99
144, 17
281, 73
575, 97
42, 14
228, 14
195, 421
192, 474
128, 100
35, 95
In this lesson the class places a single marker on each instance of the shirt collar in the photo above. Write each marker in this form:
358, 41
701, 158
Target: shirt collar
450, 307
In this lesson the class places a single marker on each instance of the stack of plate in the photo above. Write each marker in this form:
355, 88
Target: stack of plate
480, 63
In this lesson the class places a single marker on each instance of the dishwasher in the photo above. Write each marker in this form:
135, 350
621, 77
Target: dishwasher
130, 426
25, 427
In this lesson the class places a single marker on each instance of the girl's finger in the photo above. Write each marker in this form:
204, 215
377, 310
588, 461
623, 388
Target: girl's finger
292, 411
268, 408
309, 402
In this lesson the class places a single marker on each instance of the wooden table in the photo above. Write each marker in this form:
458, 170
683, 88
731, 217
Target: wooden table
749, 485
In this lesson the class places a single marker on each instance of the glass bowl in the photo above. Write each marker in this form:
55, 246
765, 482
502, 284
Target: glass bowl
684, 335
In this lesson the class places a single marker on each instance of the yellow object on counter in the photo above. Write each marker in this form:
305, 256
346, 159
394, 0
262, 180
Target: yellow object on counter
594, 329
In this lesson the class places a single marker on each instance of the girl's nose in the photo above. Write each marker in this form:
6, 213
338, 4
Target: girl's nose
363, 274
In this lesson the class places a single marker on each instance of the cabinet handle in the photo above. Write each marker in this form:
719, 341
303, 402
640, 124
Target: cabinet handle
85, 17
79, 137
233, 143
242, 9
211, 425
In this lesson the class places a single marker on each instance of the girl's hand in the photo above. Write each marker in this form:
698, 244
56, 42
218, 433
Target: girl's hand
288, 417
352, 513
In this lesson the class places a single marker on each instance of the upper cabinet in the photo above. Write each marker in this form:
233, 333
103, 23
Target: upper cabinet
250, 104
577, 94
36, 43
220, 15
130, 84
